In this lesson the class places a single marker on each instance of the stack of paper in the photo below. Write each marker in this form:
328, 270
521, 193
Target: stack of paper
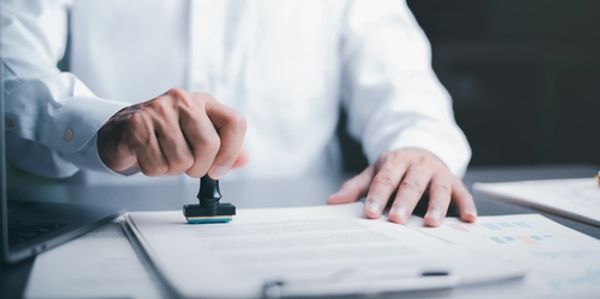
327, 250
575, 198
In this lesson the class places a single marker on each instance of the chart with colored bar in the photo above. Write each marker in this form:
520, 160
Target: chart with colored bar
504, 232
564, 263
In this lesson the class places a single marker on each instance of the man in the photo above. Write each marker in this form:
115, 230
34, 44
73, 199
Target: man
284, 68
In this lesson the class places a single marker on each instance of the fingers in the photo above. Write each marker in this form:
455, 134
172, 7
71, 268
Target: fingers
353, 188
464, 201
173, 133
113, 149
384, 184
175, 149
440, 194
124, 158
202, 139
144, 143
231, 128
410, 191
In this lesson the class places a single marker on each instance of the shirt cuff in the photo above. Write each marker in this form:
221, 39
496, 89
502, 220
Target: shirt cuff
79, 123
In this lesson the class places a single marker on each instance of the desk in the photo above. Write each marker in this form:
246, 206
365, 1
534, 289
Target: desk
282, 193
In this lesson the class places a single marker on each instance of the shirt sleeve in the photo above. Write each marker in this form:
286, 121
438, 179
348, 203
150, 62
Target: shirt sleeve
391, 94
52, 118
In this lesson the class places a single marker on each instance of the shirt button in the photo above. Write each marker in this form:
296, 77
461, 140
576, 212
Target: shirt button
10, 123
68, 136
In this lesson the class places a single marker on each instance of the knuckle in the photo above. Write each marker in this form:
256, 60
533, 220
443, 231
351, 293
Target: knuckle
412, 185
160, 107
149, 171
392, 157
177, 93
161, 169
423, 160
385, 179
153, 171
181, 163
213, 147
441, 187
208, 144
136, 120
144, 109
187, 163
165, 103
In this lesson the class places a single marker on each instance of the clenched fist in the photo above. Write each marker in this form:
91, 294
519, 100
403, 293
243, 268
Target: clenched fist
176, 132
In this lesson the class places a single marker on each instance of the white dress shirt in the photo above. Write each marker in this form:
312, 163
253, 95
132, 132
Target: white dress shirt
287, 66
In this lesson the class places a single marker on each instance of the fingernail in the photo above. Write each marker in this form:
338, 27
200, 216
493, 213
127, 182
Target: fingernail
373, 207
400, 212
434, 214
471, 213
219, 172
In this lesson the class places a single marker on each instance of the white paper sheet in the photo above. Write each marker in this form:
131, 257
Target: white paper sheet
100, 264
575, 198
564, 263
314, 250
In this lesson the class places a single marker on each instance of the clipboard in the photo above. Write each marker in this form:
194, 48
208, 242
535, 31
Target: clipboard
215, 282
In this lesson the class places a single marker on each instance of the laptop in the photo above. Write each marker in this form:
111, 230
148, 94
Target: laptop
29, 226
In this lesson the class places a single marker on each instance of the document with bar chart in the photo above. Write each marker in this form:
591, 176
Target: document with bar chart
563, 263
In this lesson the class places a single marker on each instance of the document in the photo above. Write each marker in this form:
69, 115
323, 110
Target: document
563, 263
100, 264
308, 251
575, 198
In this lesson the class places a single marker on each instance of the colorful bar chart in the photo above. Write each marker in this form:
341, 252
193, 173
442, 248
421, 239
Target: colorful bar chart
526, 239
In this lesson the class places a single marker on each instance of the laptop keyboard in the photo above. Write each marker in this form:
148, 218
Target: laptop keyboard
22, 231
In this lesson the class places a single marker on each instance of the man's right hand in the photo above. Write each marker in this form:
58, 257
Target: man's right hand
174, 133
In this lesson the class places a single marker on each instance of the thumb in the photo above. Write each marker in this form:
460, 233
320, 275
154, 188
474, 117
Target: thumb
353, 188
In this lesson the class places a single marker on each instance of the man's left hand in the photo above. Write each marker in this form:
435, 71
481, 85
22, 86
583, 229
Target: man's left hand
404, 176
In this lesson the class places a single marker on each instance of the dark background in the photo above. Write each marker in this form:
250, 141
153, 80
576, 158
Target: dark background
524, 76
